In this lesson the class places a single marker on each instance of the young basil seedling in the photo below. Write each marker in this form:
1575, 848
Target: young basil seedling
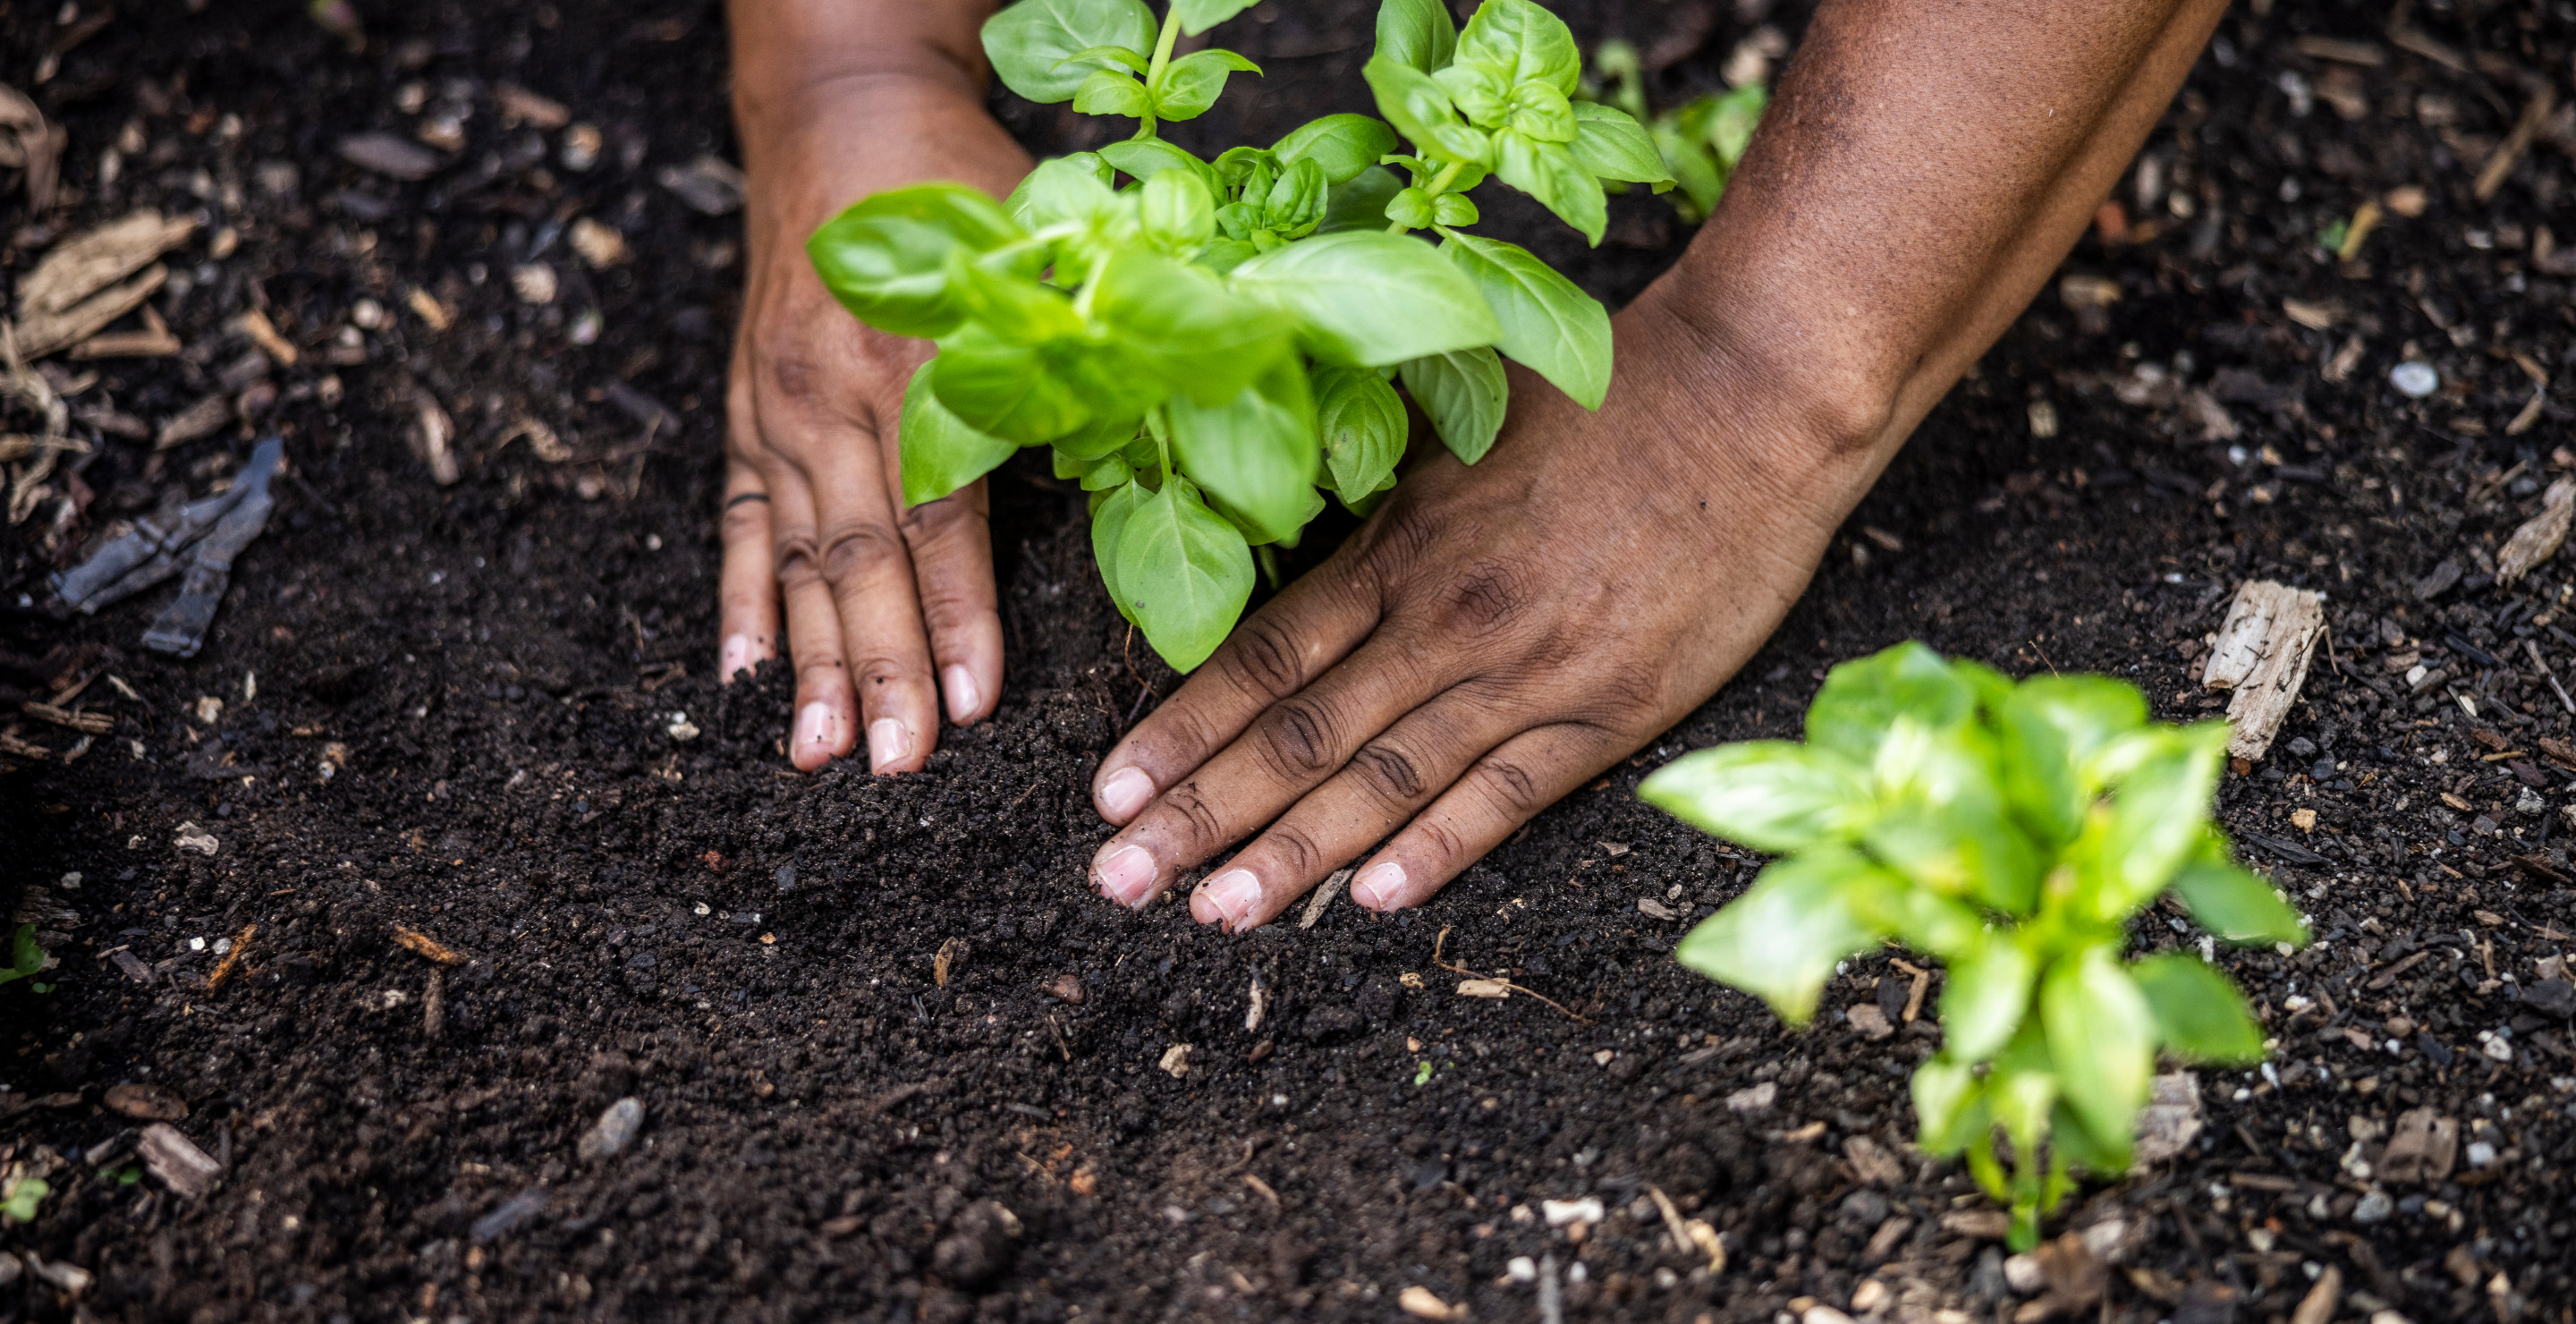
2011, 830
1210, 346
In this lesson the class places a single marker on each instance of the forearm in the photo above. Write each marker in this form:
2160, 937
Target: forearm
1921, 174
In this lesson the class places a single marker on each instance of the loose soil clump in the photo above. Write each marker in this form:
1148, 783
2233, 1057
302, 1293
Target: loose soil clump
441, 941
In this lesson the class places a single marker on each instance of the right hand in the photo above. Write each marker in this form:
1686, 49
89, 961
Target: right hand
886, 606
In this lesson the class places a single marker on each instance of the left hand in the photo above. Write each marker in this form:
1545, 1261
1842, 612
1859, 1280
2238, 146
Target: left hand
1492, 637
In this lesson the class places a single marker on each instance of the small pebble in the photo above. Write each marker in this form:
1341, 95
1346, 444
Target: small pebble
614, 1131
2374, 1208
2415, 379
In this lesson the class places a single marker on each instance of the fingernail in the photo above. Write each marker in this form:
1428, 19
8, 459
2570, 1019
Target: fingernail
888, 741
1125, 874
1231, 896
816, 725
963, 697
1378, 888
736, 657
1124, 794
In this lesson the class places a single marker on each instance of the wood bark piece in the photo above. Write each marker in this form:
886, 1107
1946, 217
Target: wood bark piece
2262, 654
91, 261
177, 1161
2541, 536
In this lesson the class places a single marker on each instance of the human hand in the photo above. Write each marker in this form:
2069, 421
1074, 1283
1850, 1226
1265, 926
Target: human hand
1492, 637
877, 595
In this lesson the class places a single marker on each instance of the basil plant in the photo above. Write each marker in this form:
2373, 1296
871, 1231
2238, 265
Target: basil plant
1210, 346
2011, 830
1700, 140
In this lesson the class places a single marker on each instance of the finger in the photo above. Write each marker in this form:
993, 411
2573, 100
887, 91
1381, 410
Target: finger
747, 587
1386, 783
870, 574
952, 560
1504, 789
825, 727
1275, 654
1289, 748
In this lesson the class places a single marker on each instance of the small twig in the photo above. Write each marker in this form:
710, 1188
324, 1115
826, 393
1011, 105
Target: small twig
2551, 676
2043, 656
224, 968
1463, 970
1060, 1045
1127, 654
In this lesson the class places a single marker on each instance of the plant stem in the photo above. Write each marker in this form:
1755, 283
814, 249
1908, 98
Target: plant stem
1163, 41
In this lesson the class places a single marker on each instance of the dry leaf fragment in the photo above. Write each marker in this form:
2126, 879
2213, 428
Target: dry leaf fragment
2508, 153
421, 944
92, 260
520, 104
429, 309
1323, 898
432, 433
263, 333
541, 439
2541, 536
1483, 988
145, 1102
599, 245
1176, 1060
40, 334
940, 963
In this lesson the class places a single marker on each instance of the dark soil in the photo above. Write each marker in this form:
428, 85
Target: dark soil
492, 670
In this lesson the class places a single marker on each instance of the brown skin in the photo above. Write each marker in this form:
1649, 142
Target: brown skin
1495, 636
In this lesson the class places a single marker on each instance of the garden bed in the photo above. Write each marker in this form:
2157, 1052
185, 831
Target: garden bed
618, 889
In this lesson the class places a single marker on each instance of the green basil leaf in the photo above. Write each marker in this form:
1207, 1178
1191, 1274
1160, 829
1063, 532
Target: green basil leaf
1420, 109
1247, 169
1949, 1107
1104, 56
1193, 82
2233, 903
1063, 188
1772, 795
1015, 308
938, 452
1942, 820
1030, 42
1361, 202
1224, 255
1177, 211
1295, 203
1110, 92
1145, 158
1611, 145
1410, 209
1418, 34
1108, 528
1481, 92
1862, 699
1732, 120
1547, 322
1107, 472
2023, 1089
2199, 1012
1184, 327
1197, 16
2101, 1040
1107, 435
1548, 172
2089, 711
1541, 112
2043, 790
1256, 453
1781, 940
1362, 425
2159, 816
1984, 999
1367, 299
886, 258
1006, 390
1183, 574
1343, 145
1453, 209
2070, 1138
1530, 44
1695, 171
1463, 394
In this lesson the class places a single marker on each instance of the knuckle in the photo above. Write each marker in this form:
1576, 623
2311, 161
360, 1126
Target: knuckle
1444, 842
1197, 817
1389, 772
860, 550
1302, 855
797, 566
1510, 783
1489, 594
1262, 658
1297, 736
750, 520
